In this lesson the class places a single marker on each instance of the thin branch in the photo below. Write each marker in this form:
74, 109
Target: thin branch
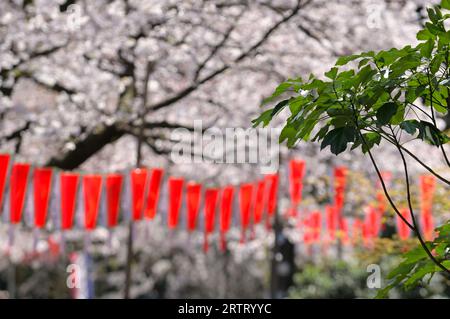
411, 211
380, 177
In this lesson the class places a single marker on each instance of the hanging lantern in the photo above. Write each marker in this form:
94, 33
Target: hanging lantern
226, 205
272, 188
296, 173
428, 226
193, 196
308, 232
42, 180
258, 206
92, 186
138, 185
245, 198
153, 192
427, 189
317, 222
373, 221
340, 181
211, 196
4, 163
18, 190
402, 228
69, 187
114, 184
175, 194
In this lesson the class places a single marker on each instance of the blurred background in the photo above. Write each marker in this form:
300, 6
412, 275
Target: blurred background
78, 80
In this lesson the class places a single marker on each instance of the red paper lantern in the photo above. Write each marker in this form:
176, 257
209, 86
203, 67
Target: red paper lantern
153, 192
258, 207
317, 225
297, 171
427, 189
4, 163
42, 180
340, 181
211, 196
138, 185
92, 185
272, 188
428, 226
175, 193
308, 235
373, 221
114, 184
312, 227
18, 190
402, 228
245, 197
69, 188
193, 196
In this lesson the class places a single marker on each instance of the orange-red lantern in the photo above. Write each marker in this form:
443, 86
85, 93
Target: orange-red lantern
114, 184
138, 186
42, 180
4, 163
69, 189
193, 196
403, 229
258, 206
245, 203
175, 195
92, 186
211, 196
154, 187
18, 190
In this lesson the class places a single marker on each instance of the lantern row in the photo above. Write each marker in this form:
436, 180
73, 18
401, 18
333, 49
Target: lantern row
373, 223
257, 202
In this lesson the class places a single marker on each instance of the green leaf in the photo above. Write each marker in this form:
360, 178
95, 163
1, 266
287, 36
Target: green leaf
338, 139
386, 112
424, 35
264, 118
420, 271
415, 255
399, 116
279, 107
427, 48
320, 135
445, 4
402, 269
332, 73
410, 126
345, 59
370, 140
287, 133
431, 134
289, 85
